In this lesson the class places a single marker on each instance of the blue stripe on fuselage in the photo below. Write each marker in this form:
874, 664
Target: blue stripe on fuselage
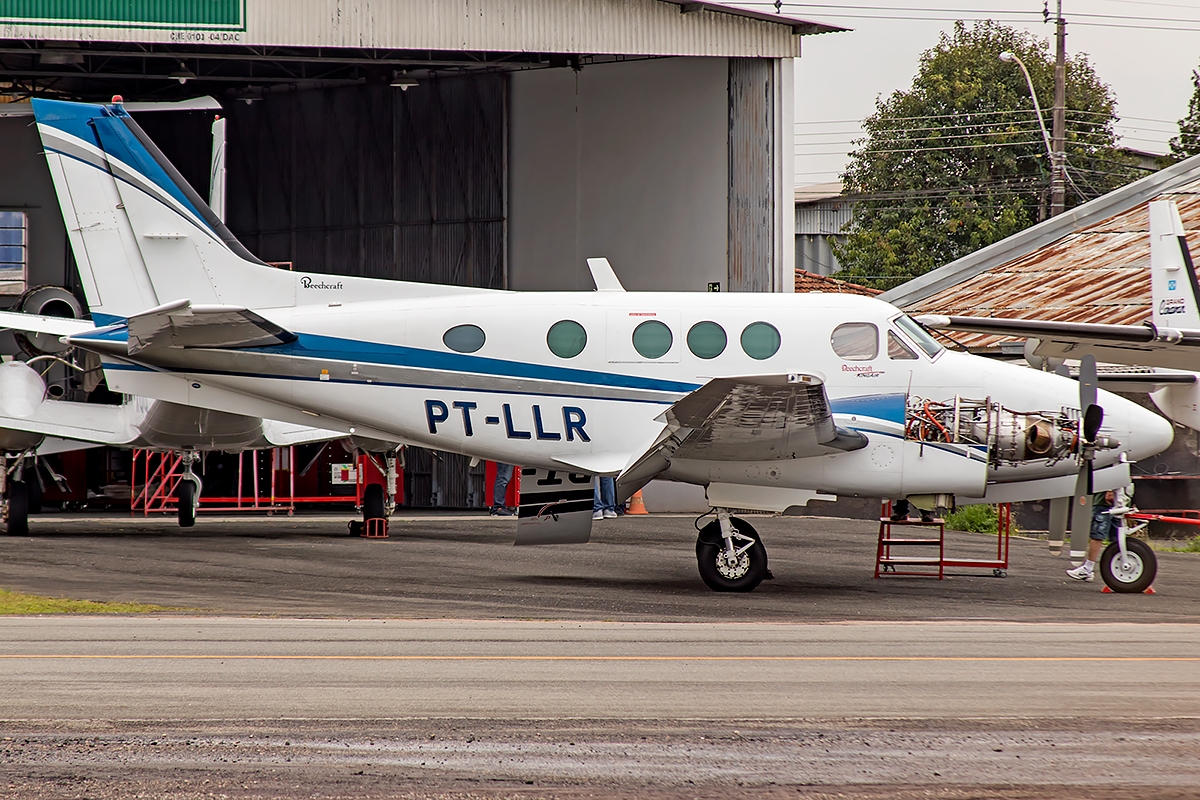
890, 407
330, 348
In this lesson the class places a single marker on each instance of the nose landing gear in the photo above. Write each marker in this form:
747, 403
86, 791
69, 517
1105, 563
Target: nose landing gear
730, 555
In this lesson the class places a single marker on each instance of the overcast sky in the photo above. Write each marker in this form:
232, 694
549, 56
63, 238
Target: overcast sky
1144, 50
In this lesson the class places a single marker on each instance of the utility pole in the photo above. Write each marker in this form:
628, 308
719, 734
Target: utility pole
1058, 157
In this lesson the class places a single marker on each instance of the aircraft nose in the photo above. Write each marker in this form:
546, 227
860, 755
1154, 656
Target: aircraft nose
1149, 434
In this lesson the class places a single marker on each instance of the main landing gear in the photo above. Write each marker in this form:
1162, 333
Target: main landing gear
730, 555
187, 492
377, 501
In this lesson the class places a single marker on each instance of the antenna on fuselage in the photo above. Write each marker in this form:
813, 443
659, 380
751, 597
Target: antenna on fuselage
603, 275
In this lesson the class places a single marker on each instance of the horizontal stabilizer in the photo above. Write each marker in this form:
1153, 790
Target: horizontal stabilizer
180, 324
33, 323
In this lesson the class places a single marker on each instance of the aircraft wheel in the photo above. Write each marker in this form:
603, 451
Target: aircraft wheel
373, 506
33, 490
1135, 574
721, 572
18, 509
185, 496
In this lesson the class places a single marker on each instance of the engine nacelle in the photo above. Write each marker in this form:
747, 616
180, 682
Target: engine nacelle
1012, 437
22, 390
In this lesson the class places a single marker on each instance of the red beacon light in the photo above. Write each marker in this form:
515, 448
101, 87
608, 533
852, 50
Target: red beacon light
117, 100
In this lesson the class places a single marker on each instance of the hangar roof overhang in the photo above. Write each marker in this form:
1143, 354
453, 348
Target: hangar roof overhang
327, 42
1091, 264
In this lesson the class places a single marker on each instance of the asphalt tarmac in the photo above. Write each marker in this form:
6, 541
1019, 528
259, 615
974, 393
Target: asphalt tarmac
443, 662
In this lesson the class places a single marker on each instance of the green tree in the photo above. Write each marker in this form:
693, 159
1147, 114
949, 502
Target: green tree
958, 161
1187, 143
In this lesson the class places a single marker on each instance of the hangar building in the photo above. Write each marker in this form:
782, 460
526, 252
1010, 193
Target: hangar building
493, 143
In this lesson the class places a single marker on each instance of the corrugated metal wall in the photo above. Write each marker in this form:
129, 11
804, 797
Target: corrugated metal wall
373, 181
626, 27
751, 175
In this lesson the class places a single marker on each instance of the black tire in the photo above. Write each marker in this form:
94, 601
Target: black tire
33, 490
18, 509
372, 506
742, 576
1142, 567
185, 496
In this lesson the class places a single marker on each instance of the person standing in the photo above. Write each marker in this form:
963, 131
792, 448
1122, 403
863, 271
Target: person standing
504, 473
604, 501
1103, 531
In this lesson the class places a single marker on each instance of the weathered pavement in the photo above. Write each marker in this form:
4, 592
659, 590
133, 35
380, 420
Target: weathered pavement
1020, 687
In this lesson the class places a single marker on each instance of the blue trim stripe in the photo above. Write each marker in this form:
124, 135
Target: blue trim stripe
330, 348
890, 407
102, 126
70, 118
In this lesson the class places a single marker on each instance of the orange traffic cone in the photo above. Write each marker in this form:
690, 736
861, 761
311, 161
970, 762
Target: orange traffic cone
636, 506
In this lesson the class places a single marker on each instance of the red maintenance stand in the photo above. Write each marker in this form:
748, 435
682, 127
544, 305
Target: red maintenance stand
914, 555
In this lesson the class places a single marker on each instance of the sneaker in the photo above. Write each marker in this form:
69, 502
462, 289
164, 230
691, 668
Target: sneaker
1082, 573
609, 513
926, 516
500, 511
899, 517
597, 515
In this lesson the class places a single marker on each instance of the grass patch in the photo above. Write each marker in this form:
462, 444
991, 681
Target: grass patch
976, 519
1190, 546
17, 603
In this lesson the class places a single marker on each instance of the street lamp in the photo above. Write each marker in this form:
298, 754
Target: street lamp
1057, 183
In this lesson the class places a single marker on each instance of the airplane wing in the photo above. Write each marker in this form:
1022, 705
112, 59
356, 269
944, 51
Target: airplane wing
1144, 345
180, 324
84, 422
754, 418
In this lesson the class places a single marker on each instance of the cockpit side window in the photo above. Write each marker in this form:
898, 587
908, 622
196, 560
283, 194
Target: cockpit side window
918, 335
898, 350
855, 341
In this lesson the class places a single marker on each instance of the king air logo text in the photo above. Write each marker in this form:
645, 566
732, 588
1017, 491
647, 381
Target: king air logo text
1172, 305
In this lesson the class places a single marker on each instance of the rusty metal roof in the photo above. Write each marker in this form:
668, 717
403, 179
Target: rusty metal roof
812, 282
1100, 273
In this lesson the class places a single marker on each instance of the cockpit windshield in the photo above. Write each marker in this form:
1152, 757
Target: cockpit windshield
918, 335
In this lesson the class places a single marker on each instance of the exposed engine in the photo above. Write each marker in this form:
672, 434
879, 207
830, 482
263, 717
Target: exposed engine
1012, 437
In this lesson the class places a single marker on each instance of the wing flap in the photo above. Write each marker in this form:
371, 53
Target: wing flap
752, 418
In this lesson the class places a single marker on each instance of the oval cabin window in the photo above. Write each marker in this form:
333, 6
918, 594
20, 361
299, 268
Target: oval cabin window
464, 338
760, 340
566, 338
652, 339
707, 340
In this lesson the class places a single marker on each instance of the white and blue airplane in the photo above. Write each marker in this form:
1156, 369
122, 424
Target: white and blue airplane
768, 401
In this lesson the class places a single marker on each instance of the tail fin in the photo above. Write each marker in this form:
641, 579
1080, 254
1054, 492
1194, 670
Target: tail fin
141, 235
1173, 281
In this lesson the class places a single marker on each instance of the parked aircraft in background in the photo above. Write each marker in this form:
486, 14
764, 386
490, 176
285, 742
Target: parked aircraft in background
28, 419
767, 400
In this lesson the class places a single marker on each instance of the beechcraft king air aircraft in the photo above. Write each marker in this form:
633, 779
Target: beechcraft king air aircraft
767, 400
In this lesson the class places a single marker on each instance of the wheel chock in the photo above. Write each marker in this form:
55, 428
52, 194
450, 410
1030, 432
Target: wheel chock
1148, 590
375, 529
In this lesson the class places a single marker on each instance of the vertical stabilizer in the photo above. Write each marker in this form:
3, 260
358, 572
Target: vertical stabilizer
1172, 272
141, 235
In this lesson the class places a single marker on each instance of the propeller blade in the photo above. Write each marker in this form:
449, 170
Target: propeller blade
1081, 514
1060, 507
1087, 381
1093, 418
